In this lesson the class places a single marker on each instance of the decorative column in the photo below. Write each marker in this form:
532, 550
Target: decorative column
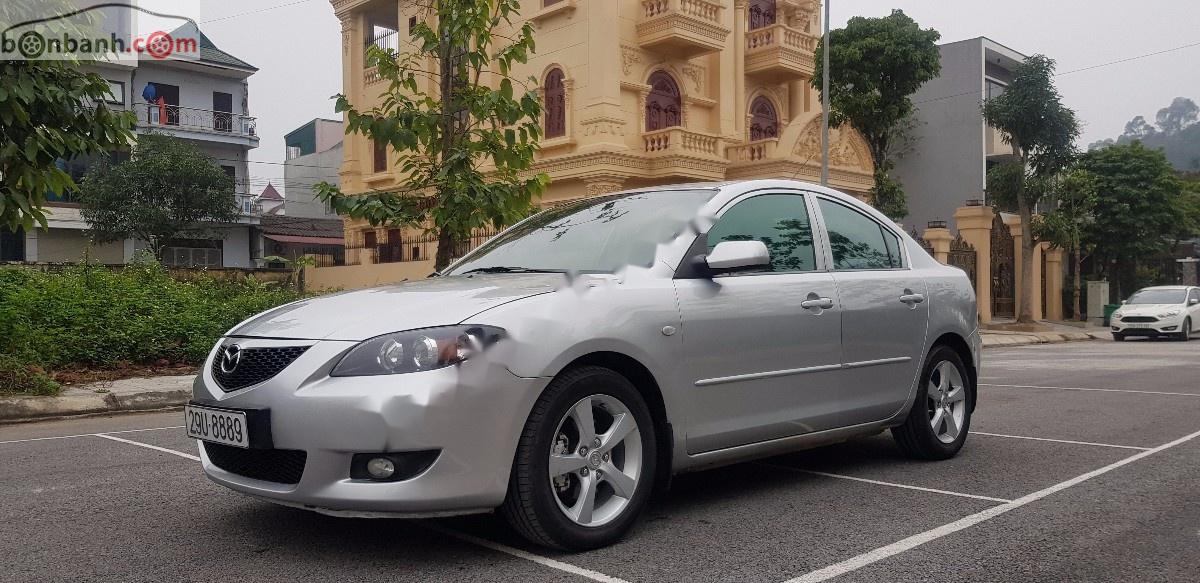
939, 238
739, 67
975, 227
1014, 228
353, 86
1038, 309
1054, 283
600, 116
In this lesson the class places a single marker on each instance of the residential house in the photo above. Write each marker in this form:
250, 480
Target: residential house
636, 93
291, 237
270, 200
953, 147
314, 155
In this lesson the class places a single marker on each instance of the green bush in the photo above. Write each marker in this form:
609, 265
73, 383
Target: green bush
97, 317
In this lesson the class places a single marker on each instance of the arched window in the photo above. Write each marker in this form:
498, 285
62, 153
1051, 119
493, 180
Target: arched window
555, 104
664, 105
764, 122
762, 13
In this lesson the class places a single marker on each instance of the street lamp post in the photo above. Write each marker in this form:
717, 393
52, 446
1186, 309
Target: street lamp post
825, 101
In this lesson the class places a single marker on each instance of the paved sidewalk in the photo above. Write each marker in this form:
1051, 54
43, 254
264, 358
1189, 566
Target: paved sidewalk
137, 394
1051, 332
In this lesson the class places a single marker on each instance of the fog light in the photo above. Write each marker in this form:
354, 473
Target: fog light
381, 468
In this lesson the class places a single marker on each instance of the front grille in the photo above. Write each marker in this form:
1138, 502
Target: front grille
1139, 319
282, 466
255, 365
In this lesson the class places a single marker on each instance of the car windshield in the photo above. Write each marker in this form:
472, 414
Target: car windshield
597, 235
1158, 296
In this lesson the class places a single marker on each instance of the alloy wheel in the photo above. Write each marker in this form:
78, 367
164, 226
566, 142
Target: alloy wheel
947, 401
595, 460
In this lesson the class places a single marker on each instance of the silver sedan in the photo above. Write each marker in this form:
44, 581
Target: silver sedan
571, 365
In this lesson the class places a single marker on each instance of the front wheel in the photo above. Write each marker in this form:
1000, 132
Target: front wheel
585, 464
937, 425
1118, 337
1186, 332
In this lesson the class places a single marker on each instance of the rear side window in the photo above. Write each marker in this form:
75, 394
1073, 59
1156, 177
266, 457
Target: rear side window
857, 241
778, 220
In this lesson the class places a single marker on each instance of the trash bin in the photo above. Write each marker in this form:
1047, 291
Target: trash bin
1108, 312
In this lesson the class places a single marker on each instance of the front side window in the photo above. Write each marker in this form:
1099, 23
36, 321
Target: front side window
857, 241
778, 220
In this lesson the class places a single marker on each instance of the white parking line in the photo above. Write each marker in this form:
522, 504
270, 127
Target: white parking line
912, 542
89, 434
892, 484
495, 546
1061, 441
544, 561
148, 446
1084, 389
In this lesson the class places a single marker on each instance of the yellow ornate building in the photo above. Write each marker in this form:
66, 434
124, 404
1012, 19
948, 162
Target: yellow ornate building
641, 92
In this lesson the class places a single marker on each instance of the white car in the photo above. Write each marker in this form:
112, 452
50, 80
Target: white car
1171, 311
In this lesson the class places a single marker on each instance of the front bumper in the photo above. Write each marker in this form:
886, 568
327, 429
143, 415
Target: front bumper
1159, 327
472, 413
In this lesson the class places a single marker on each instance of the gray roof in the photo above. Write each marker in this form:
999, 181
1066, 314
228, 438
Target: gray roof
304, 227
209, 53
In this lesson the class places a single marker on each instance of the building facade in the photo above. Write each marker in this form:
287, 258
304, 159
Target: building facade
638, 93
314, 155
953, 147
204, 100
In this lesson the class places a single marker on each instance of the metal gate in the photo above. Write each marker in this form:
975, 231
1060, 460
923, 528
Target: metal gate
963, 256
1003, 274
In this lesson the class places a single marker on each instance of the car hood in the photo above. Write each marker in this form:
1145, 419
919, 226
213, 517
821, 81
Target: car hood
1147, 309
358, 315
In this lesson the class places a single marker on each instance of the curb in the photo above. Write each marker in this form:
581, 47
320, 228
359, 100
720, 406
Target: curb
1004, 339
15, 409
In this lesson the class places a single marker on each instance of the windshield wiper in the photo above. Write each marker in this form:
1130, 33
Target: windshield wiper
511, 269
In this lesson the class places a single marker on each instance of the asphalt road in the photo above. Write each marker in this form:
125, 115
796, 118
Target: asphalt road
1083, 465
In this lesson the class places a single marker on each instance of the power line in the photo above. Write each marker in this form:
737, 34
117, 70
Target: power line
256, 11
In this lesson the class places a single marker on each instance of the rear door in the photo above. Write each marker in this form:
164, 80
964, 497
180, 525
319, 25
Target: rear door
885, 312
762, 349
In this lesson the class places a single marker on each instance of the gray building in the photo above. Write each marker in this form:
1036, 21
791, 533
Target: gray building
952, 146
314, 154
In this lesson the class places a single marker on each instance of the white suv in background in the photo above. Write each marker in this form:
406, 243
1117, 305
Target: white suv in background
1167, 310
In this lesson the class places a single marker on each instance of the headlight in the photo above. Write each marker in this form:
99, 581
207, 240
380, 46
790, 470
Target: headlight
416, 350
1170, 314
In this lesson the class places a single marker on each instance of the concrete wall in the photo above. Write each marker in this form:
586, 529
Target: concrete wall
195, 88
69, 246
946, 164
235, 247
301, 173
361, 276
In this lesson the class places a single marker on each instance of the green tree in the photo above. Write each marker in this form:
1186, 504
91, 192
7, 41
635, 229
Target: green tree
1137, 208
49, 111
875, 65
1031, 118
166, 188
445, 138
1066, 227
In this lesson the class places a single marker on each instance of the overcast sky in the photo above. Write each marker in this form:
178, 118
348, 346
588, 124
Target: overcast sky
296, 47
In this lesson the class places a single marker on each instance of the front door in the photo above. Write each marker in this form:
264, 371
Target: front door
885, 313
761, 348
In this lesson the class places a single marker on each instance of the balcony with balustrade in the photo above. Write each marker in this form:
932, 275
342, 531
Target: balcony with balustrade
198, 124
779, 53
682, 28
676, 152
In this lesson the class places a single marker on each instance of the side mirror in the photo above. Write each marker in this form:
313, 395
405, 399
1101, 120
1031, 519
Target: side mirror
1193, 301
738, 255
1123, 302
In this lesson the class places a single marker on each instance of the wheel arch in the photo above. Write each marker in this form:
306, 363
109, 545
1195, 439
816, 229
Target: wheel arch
960, 346
643, 380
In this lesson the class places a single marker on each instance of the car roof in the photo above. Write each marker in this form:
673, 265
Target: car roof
1167, 287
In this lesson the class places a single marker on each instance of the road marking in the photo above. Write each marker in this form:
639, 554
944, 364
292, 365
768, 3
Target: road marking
89, 434
1061, 440
892, 484
148, 446
544, 561
912, 542
1083, 389
495, 546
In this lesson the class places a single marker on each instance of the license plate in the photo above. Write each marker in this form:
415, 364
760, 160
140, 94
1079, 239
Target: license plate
1138, 325
217, 426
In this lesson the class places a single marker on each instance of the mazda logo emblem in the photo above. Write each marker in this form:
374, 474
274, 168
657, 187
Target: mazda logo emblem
233, 355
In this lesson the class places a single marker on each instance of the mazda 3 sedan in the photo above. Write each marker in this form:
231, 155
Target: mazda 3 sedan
572, 364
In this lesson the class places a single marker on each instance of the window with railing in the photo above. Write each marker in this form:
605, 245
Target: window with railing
384, 37
664, 103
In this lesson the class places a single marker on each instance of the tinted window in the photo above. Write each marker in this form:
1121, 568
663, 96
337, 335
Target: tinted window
602, 234
1195, 295
857, 241
778, 220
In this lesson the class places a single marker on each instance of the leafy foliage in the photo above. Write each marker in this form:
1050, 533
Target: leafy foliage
446, 138
166, 188
876, 64
1066, 227
1177, 134
1031, 117
94, 316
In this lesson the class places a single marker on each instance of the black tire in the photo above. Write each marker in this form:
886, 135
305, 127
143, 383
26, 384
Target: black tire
1118, 337
531, 506
916, 437
1186, 332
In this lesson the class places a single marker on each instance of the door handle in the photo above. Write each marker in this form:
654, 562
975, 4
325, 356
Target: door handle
817, 303
912, 299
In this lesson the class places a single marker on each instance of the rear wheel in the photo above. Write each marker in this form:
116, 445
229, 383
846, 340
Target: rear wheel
585, 464
937, 425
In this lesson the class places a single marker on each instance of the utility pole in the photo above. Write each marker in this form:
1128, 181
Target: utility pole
825, 101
